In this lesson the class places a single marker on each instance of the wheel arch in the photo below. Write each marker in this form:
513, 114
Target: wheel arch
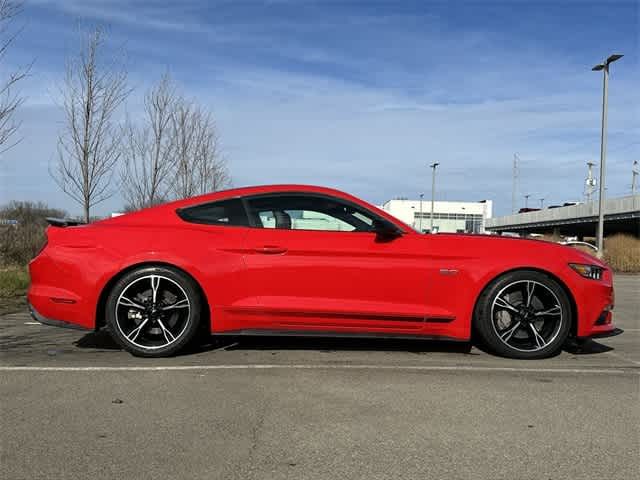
558, 280
104, 293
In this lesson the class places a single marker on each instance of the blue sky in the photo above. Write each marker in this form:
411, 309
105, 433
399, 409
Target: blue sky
361, 96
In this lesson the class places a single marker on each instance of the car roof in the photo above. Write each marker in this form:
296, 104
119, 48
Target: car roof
258, 190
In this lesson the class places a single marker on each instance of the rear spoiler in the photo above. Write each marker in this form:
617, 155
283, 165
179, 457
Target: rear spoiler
63, 222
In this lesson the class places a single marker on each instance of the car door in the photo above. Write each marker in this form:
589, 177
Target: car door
213, 237
315, 263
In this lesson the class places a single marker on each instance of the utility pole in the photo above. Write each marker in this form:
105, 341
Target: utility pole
603, 146
514, 192
634, 175
433, 189
541, 203
589, 183
420, 220
526, 200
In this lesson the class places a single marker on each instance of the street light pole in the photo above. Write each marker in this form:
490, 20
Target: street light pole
526, 200
433, 189
541, 203
603, 147
420, 221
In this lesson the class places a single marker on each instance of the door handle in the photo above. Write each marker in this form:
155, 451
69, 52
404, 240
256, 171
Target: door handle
270, 250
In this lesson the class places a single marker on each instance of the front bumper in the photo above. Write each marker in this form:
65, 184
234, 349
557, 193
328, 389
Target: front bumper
595, 303
610, 333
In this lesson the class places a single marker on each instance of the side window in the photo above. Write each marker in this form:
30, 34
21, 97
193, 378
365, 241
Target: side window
225, 212
301, 212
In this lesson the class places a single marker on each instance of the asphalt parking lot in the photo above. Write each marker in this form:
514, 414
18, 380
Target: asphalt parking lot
73, 406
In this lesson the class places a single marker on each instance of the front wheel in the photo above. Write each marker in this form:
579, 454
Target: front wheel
153, 311
523, 314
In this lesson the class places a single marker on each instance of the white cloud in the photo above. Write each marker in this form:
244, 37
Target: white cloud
367, 123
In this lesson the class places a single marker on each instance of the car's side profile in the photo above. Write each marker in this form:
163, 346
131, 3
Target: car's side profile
304, 260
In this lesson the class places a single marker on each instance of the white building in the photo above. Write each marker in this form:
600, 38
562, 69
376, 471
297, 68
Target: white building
456, 217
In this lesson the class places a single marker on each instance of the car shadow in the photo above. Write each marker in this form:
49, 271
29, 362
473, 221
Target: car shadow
329, 344
585, 347
101, 340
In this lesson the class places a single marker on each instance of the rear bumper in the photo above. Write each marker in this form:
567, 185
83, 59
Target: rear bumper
52, 322
60, 290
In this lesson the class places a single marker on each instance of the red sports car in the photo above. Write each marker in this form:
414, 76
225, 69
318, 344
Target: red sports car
304, 260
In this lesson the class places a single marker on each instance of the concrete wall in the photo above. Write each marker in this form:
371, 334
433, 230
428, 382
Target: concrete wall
570, 214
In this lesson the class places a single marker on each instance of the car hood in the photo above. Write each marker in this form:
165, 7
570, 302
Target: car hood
493, 245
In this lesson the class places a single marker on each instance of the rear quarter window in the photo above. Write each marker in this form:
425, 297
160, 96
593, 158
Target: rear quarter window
224, 212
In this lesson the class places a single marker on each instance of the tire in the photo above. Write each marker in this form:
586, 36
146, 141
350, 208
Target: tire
523, 314
154, 311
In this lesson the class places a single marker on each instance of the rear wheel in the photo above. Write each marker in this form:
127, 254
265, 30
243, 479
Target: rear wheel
524, 314
153, 311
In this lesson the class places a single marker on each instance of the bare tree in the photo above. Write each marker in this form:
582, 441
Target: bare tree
184, 140
210, 166
9, 100
89, 147
200, 167
149, 148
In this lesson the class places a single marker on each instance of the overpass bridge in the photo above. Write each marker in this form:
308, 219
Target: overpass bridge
621, 215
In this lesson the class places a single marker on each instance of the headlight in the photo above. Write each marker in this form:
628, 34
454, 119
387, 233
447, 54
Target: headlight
587, 271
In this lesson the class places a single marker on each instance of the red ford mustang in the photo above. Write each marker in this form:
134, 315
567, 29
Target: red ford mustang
302, 260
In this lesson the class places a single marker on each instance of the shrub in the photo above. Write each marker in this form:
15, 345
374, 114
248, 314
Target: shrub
19, 243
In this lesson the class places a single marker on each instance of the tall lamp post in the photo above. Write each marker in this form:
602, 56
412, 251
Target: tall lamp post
420, 220
603, 146
433, 189
526, 200
541, 203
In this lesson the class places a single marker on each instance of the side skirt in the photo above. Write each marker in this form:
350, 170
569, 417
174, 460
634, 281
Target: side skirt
332, 334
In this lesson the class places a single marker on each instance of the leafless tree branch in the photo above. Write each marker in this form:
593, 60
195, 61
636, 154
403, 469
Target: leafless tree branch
89, 146
148, 154
200, 167
9, 100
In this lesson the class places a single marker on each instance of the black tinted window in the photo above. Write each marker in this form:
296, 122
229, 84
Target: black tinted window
302, 212
226, 212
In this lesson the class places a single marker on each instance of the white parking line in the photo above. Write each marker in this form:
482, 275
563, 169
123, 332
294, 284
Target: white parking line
225, 347
423, 368
617, 355
32, 323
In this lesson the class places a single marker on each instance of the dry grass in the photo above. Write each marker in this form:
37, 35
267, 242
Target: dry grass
13, 287
622, 253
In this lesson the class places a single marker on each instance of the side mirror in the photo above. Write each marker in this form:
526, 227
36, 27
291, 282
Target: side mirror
385, 230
